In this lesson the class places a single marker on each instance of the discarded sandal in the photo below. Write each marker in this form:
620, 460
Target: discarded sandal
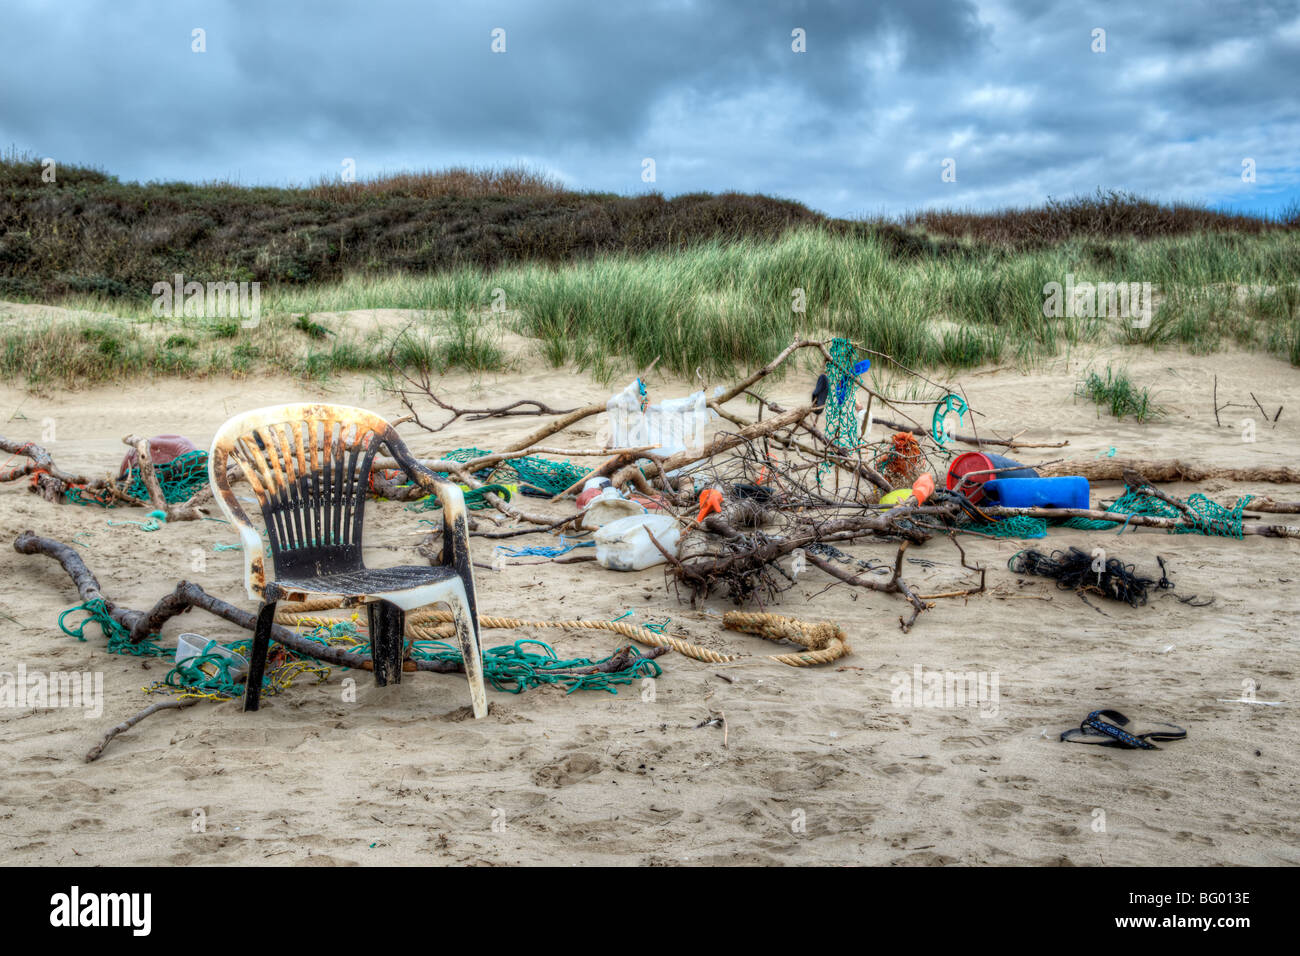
1106, 734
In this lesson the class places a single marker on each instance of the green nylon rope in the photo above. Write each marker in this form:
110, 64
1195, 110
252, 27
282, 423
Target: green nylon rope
119, 638
179, 480
210, 674
186, 474
475, 499
1016, 526
511, 668
841, 409
547, 476
1208, 518
841, 413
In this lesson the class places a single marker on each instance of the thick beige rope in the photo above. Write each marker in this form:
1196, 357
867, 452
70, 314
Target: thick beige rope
435, 624
419, 628
825, 641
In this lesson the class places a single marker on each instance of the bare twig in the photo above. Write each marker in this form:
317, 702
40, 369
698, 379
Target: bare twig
895, 584
971, 440
175, 703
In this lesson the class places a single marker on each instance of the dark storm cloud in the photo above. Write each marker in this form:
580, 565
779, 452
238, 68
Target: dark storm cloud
712, 91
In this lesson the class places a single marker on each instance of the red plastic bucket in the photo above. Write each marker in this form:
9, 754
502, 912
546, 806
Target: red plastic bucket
973, 463
162, 449
963, 464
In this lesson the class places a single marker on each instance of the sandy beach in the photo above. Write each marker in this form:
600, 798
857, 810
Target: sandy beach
821, 764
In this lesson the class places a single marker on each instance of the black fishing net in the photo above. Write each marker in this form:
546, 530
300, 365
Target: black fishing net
1077, 570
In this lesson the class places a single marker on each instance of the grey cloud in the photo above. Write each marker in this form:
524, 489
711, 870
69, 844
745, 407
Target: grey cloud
859, 123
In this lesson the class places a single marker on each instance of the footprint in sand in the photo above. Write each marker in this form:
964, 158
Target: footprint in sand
968, 741
922, 767
974, 759
517, 801
997, 809
570, 770
1145, 790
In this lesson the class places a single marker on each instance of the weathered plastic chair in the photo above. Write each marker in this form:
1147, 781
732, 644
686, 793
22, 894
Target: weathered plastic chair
309, 467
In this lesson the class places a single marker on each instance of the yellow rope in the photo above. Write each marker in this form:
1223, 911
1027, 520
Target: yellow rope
825, 641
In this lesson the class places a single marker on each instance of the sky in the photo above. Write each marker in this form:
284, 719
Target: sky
889, 107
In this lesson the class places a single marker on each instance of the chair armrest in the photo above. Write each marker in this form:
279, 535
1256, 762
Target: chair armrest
455, 522
455, 519
249, 539
254, 561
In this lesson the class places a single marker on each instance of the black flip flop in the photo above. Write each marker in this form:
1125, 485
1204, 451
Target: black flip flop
1106, 734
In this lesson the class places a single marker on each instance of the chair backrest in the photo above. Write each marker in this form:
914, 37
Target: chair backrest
308, 465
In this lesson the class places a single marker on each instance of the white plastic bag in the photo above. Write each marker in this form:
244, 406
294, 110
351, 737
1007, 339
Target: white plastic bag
674, 425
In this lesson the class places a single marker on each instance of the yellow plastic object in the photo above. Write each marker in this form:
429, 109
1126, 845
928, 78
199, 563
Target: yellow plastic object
921, 489
896, 497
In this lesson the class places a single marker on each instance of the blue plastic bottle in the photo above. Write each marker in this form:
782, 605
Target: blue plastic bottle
1068, 491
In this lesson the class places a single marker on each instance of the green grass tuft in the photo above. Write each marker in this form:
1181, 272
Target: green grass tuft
1118, 395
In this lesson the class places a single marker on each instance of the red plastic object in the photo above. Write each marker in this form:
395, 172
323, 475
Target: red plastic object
970, 461
162, 449
710, 501
588, 496
923, 487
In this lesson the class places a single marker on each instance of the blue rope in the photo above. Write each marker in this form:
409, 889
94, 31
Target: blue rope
546, 552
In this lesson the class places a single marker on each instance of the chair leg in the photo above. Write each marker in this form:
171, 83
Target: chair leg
387, 640
471, 652
257, 656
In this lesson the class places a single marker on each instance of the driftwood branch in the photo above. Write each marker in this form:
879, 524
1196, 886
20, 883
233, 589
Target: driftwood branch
140, 624
964, 592
561, 423
972, 439
1168, 470
82, 577
1267, 505
720, 443
620, 458
51, 481
171, 704
895, 584
753, 379
187, 595
422, 384
184, 511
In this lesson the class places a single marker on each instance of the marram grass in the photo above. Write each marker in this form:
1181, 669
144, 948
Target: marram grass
716, 307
